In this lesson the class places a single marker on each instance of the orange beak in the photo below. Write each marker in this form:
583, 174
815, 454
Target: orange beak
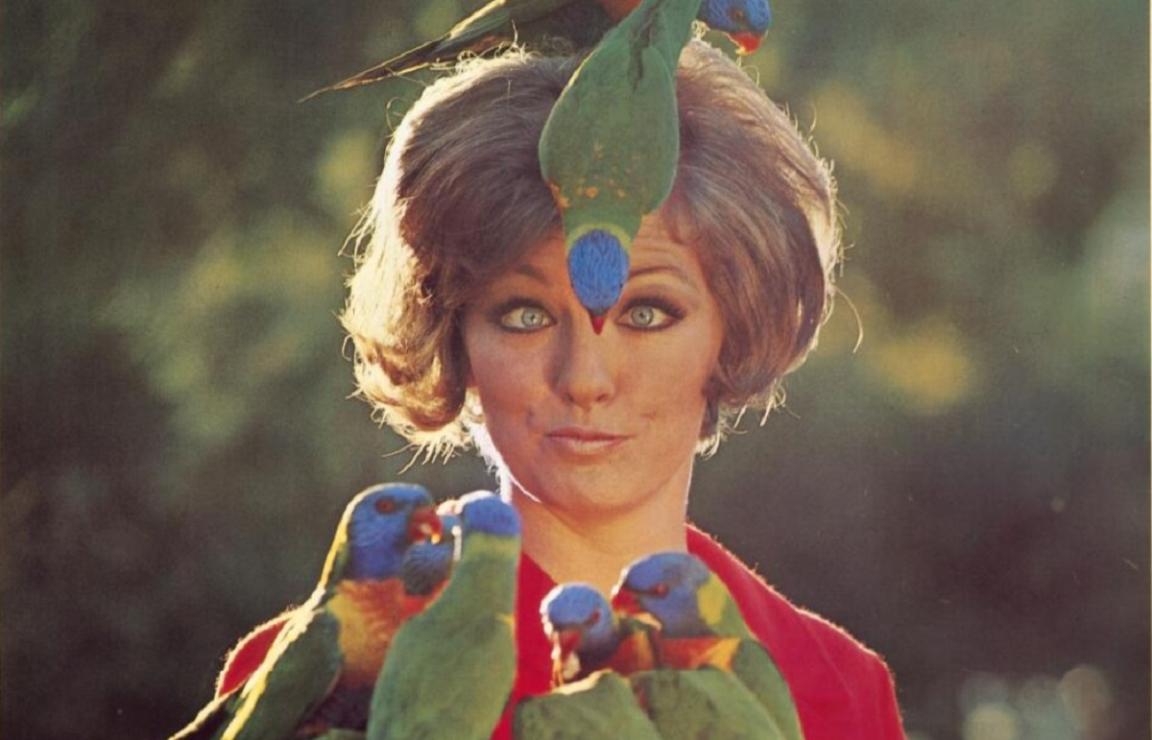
748, 42
597, 323
424, 524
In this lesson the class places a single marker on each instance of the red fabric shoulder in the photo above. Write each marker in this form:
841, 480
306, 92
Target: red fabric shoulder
842, 689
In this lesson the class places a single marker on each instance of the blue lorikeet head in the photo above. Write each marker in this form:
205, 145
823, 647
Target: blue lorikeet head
486, 512
428, 564
579, 619
597, 267
665, 585
383, 522
746, 21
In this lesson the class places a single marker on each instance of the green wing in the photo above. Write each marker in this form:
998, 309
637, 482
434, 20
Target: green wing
582, 22
707, 702
303, 666
450, 669
611, 143
755, 668
599, 706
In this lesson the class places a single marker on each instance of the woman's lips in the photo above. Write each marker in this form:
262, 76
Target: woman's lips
584, 441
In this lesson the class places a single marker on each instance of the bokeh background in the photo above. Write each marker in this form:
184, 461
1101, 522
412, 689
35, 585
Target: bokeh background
965, 486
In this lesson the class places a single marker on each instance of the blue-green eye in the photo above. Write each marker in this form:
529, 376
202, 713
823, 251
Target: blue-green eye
647, 316
525, 318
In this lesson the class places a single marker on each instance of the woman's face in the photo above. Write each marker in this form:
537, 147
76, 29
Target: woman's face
592, 423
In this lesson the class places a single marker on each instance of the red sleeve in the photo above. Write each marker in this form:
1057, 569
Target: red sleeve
841, 688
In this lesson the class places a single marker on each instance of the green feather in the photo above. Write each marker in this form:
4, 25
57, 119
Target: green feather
450, 669
599, 706
301, 670
686, 705
610, 146
751, 663
756, 670
536, 23
306, 661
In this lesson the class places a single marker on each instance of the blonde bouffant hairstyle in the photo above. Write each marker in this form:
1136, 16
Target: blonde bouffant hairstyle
461, 199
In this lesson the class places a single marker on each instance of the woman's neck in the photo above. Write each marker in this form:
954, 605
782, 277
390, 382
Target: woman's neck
594, 546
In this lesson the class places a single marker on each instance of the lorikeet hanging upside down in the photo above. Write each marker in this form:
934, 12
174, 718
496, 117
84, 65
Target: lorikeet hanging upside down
701, 627
326, 654
581, 23
611, 144
450, 669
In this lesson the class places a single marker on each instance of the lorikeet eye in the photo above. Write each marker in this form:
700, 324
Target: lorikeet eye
593, 618
385, 505
737, 14
660, 590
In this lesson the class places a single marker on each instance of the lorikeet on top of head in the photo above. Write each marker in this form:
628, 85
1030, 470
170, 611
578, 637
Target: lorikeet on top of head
580, 23
610, 147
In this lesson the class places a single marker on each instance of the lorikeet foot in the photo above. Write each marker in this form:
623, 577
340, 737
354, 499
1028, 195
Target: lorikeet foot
598, 267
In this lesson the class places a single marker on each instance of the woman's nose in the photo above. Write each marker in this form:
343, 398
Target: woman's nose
584, 364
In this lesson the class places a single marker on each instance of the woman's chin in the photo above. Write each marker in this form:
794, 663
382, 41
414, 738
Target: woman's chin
600, 493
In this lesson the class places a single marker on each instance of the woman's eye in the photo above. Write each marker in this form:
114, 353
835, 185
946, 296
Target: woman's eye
646, 316
525, 318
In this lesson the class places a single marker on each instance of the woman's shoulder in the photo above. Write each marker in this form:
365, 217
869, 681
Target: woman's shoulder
840, 685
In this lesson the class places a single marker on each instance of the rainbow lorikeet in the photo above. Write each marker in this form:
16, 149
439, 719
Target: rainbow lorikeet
611, 144
424, 571
428, 565
450, 669
326, 653
579, 22
701, 627
588, 635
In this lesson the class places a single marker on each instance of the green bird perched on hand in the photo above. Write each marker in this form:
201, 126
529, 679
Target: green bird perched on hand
321, 667
701, 627
538, 23
611, 144
450, 669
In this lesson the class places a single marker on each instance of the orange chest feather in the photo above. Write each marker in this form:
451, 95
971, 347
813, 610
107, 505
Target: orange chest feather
695, 652
369, 614
633, 654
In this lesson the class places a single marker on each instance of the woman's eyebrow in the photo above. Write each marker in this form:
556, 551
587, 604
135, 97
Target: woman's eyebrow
529, 271
672, 270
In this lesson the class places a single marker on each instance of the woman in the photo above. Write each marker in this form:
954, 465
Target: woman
466, 330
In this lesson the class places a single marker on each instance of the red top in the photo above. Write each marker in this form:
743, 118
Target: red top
843, 691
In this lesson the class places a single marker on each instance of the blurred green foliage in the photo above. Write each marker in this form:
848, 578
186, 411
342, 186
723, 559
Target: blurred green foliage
967, 490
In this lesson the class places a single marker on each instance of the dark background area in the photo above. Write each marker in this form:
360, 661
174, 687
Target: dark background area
967, 491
